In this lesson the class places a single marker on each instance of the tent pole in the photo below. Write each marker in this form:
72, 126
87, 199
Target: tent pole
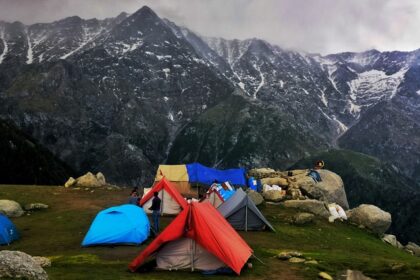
192, 255
246, 216
161, 204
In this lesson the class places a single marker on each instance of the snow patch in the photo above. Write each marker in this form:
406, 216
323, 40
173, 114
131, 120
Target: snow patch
30, 56
166, 71
241, 85
418, 92
305, 91
261, 82
171, 116
166, 98
281, 84
5, 46
324, 98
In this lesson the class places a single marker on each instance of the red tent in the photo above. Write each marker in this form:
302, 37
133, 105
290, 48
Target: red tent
172, 200
203, 224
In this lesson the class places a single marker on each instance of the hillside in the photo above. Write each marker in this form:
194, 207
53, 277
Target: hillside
368, 180
58, 231
24, 161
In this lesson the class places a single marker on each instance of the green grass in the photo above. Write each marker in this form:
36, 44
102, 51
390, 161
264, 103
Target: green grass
58, 231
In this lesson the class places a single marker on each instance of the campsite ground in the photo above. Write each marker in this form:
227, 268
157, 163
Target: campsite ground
58, 231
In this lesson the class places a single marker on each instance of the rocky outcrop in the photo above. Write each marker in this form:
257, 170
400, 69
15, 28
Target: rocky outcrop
256, 197
87, 181
35, 206
330, 189
303, 218
275, 181
310, 205
414, 248
15, 265
10, 208
392, 240
371, 217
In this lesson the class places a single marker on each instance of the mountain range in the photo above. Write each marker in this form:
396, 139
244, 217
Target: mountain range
121, 95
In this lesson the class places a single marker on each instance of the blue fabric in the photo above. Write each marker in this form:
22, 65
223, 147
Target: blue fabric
125, 224
8, 231
226, 194
199, 173
252, 184
315, 175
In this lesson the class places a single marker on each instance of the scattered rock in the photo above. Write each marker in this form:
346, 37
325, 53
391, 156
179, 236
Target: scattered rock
414, 248
273, 195
370, 216
296, 260
35, 206
309, 205
42, 261
330, 189
311, 262
303, 218
352, 275
16, 264
284, 256
255, 197
101, 178
324, 275
88, 181
70, 182
397, 267
392, 239
10, 208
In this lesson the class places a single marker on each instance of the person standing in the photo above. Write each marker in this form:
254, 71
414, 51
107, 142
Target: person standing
134, 198
155, 208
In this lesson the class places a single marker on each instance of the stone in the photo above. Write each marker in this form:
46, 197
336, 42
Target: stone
275, 181
16, 264
330, 189
35, 206
397, 267
303, 218
42, 261
10, 208
273, 195
392, 240
371, 217
101, 178
284, 256
255, 197
352, 275
309, 205
311, 262
296, 260
413, 247
88, 181
70, 182
324, 275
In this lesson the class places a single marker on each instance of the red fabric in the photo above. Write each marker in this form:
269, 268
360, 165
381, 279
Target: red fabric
212, 190
169, 188
204, 224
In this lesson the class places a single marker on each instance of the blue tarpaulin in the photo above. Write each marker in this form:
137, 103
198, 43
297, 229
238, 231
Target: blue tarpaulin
201, 174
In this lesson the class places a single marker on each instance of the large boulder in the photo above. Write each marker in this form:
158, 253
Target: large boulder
392, 240
313, 206
70, 182
273, 195
101, 178
88, 181
413, 247
255, 197
330, 189
16, 265
10, 208
371, 217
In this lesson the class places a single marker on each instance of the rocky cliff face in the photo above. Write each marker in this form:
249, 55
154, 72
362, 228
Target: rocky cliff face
124, 94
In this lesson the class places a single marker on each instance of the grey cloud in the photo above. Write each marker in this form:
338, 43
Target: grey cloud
312, 25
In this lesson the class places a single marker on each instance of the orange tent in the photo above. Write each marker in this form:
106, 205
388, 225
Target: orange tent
172, 200
200, 226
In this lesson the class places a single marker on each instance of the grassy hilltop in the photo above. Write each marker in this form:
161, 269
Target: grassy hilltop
58, 231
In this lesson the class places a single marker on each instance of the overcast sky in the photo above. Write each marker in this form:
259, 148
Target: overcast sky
324, 26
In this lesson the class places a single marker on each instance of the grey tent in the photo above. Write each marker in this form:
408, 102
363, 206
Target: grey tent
241, 212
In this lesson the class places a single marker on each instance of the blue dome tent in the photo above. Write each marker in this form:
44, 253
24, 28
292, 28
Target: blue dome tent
120, 225
8, 231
